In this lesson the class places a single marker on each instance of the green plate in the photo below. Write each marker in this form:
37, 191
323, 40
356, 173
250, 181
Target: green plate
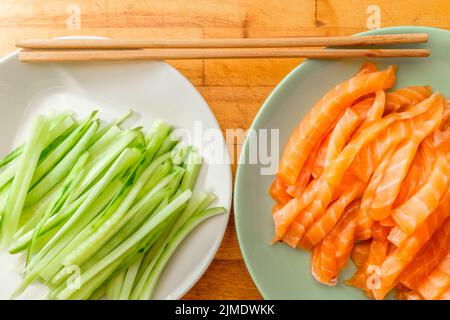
278, 271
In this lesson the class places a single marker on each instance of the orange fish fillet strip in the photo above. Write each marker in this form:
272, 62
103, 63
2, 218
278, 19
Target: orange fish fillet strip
428, 257
366, 175
318, 120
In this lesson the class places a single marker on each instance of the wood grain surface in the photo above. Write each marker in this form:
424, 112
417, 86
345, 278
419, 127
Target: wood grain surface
235, 89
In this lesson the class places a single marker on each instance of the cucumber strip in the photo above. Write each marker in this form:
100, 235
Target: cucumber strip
58, 126
130, 227
89, 288
62, 169
131, 242
51, 253
126, 159
108, 204
130, 277
73, 240
8, 174
22, 179
3, 197
190, 225
60, 151
23, 241
98, 164
193, 166
167, 146
198, 202
160, 173
114, 286
117, 220
29, 218
11, 156
102, 142
158, 133
99, 293
104, 132
64, 192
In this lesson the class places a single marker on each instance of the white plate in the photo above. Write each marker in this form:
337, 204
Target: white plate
154, 90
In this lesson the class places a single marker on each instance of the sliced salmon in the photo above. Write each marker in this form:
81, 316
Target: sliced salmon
438, 280
333, 252
314, 202
367, 67
360, 253
419, 171
445, 295
417, 208
325, 224
366, 277
405, 253
428, 257
318, 120
404, 97
400, 162
278, 192
365, 222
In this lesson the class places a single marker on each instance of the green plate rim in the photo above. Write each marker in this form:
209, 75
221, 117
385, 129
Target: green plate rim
302, 67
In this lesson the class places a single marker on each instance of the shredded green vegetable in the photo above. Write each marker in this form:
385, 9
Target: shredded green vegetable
98, 209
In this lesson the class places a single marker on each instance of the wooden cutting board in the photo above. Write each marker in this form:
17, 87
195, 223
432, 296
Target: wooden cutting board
235, 89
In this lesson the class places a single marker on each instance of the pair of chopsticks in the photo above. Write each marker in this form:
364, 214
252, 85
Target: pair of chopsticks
59, 50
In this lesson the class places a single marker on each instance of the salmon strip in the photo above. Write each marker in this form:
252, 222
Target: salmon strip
306, 173
407, 96
388, 222
408, 295
360, 253
445, 295
416, 209
278, 192
376, 110
333, 252
419, 171
325, 224
366, 275
397, 236
371, 155
405, 253
345, 234
307, 216
277, 206
399, 165
438, 281
341, 133
428, 258
322, 115
365, 222
345, 126
334, 173
319, 161
367, 67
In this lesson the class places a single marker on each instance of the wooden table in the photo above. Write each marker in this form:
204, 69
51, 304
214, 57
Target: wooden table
235, 89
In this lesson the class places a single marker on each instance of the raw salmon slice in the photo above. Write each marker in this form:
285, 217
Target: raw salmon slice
438, 281
318, 120
428, 257
397, 262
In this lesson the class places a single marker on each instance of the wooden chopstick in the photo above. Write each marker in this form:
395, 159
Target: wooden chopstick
173, 54
223, 43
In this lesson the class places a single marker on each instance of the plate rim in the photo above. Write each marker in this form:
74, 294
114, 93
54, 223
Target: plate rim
256, 124
179, 292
